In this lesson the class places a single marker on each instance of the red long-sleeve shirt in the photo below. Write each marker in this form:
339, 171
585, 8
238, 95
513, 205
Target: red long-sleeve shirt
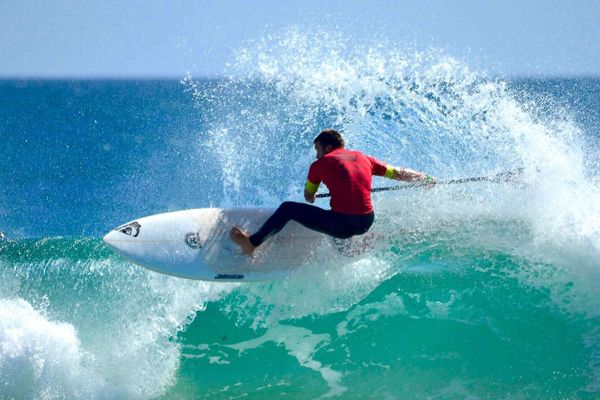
347, 174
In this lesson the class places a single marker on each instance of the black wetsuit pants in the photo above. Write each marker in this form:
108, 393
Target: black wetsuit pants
329, 222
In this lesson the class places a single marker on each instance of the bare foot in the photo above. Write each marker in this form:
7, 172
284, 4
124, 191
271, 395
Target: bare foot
242, 239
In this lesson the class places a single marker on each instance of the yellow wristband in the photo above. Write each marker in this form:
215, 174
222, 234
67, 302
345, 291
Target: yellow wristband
311, 187
389, 172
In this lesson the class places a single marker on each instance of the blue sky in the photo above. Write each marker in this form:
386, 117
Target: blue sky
169, 38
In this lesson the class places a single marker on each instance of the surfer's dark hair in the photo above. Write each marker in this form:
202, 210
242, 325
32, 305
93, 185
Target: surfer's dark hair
330, 137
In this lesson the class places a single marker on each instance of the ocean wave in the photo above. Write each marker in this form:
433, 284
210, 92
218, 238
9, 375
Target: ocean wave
78, 322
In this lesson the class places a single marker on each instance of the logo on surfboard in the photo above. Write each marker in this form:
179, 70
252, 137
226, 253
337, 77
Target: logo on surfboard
192, 239
130, 229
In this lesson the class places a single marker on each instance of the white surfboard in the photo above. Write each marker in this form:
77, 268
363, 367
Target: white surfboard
195, 244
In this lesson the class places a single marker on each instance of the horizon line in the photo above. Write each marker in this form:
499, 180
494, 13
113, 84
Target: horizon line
173, 77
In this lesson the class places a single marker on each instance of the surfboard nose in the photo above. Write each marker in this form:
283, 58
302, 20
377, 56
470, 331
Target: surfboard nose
125, 240
120, 238
111, 240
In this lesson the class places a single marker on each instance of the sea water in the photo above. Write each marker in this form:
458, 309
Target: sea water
481, 290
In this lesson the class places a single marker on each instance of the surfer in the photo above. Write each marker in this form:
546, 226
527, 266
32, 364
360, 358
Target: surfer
347, 174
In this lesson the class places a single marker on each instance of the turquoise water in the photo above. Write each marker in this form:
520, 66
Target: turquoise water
479, 291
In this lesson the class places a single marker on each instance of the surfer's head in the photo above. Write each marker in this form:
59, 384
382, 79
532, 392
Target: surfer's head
328, 140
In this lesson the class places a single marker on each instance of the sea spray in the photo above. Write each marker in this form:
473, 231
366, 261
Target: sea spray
428, 111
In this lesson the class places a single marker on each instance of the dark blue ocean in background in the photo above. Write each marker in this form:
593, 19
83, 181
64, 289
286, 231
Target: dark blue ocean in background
488, 291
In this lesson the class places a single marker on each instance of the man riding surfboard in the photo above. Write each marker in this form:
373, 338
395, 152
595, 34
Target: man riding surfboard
347, 174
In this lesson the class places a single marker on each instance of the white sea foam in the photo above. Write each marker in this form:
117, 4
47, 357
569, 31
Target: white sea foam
40, 358
104, 332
